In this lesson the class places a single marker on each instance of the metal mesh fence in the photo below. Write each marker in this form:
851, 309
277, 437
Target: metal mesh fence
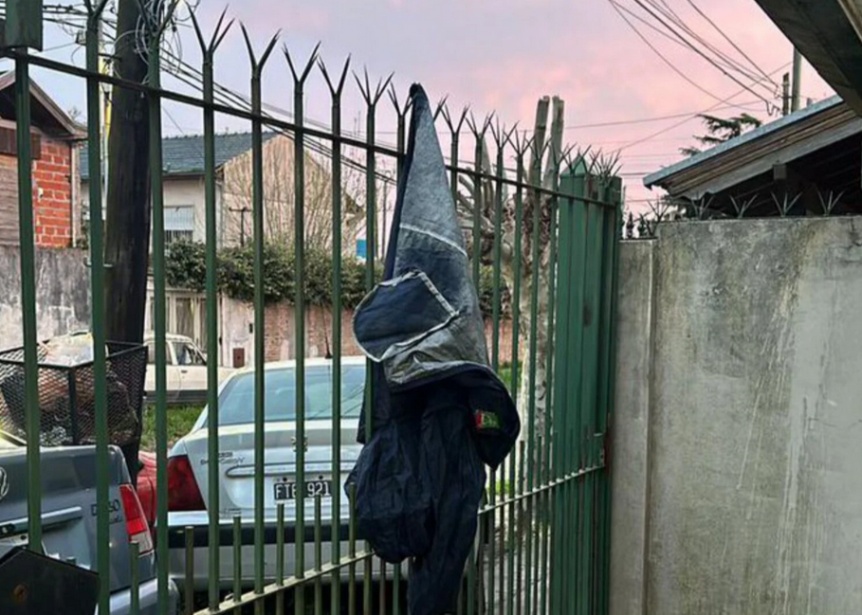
66, 398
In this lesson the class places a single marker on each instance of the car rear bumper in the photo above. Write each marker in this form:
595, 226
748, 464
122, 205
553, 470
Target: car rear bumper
148, 597
226, 553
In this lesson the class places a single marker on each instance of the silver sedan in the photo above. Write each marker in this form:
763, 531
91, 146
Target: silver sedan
189, 498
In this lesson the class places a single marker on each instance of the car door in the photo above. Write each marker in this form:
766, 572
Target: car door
192, 369
171, 372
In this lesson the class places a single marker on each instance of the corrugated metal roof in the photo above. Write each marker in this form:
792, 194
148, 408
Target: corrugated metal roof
185, 155
763, 131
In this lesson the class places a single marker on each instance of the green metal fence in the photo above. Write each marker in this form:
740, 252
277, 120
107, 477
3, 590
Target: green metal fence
543, 221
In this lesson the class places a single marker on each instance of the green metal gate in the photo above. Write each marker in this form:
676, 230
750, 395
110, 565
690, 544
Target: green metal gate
544, 234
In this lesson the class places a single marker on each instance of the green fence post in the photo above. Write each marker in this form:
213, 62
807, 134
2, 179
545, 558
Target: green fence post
19, 25
208, 49
97, 294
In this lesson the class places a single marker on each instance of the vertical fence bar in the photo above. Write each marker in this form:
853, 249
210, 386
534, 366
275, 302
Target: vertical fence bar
587, 429
299, 323
538, 203
372, 97
189, 585
336, 90
159, 314
477, 203
258, 231
613, 219
560, 405
351, 553
400, 148
211, 250
237, 564
318, 555
97, 294
574, 488
135, 585
28, 297
279, 557
553, 270
498, 258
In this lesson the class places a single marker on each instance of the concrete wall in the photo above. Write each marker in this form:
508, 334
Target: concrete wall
737, 469
62, 294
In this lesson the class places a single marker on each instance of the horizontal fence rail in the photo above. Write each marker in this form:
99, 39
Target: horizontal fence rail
542, 224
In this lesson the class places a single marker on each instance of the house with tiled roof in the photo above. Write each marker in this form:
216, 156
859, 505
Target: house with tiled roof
184, 170
185, 217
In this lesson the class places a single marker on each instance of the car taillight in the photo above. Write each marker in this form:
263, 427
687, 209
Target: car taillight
183, 491
136, 523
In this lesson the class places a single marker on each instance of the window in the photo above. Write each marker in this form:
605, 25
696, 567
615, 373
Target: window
236, 403
187, 354
179, 223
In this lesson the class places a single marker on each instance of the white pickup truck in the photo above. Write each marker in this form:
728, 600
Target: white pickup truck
186, 370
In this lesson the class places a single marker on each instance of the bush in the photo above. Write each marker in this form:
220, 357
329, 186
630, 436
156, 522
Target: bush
186, 268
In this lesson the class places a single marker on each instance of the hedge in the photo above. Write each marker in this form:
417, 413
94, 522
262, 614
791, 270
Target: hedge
186, 268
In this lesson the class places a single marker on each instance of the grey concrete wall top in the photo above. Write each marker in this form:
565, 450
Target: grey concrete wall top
755, 448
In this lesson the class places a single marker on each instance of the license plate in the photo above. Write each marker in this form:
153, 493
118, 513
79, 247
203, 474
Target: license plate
287, 490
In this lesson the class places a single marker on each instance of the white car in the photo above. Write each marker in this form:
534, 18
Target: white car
189, 501
186, 370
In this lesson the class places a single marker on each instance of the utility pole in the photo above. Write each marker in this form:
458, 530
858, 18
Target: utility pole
785, 96
127, 215
796, 97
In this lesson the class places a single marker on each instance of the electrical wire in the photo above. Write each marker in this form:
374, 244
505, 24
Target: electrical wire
678, 124
649, 6
731, 41
663, 58
671, 15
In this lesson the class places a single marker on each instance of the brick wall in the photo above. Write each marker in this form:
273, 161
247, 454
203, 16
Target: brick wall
52, 196
318, 326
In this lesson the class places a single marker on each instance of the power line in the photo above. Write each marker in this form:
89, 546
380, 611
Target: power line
731, 41
678, 124
668, 12
645, 120
691, 46
655, 50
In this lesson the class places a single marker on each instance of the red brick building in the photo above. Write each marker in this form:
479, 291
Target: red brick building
54, 138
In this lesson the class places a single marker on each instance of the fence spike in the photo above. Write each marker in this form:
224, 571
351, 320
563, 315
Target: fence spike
218, 34
372, 97
95, 12
474, 125
334, 90
455, 127
257, 65
298, 78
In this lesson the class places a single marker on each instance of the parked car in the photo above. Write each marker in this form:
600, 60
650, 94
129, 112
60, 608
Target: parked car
186, 370
189, 497
69, 517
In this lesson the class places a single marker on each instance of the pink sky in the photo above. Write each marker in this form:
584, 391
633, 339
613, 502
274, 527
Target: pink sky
502, 55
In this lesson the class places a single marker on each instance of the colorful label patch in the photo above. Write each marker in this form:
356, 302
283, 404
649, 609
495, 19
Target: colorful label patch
486, 419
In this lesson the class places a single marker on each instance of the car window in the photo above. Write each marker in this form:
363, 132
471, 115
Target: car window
187, 354
236, 402
151, 353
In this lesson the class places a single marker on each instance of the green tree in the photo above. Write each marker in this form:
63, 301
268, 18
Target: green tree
721, 129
